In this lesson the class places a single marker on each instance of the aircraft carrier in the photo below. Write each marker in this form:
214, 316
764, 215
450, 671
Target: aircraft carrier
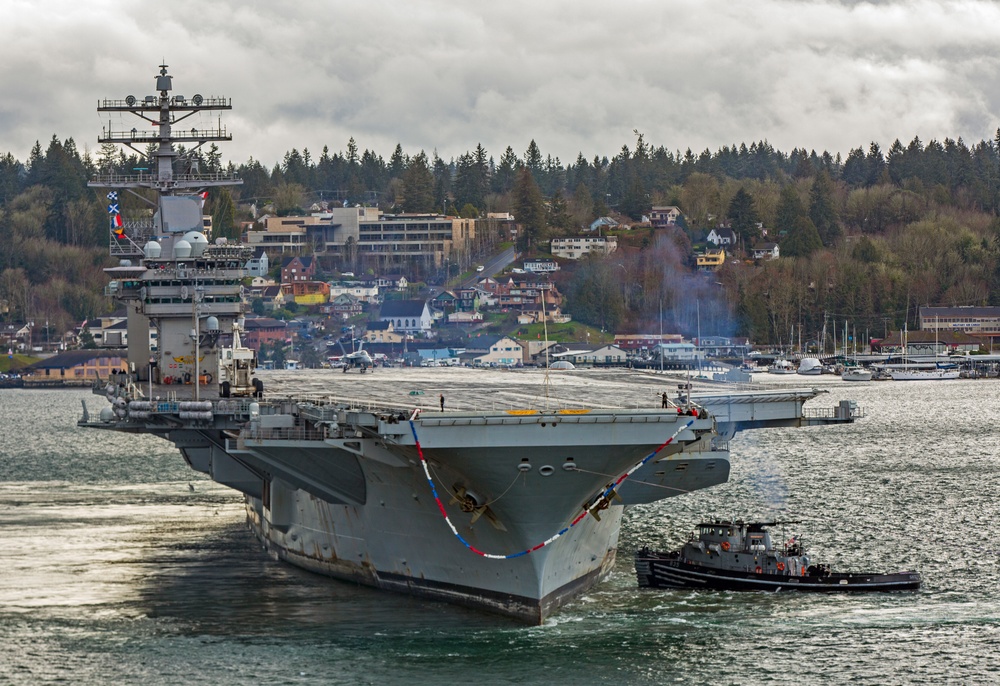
507, 497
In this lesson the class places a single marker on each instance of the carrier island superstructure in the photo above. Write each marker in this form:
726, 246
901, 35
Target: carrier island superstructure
514, 510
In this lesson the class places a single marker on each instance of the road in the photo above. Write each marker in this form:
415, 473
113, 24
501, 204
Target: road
493, 266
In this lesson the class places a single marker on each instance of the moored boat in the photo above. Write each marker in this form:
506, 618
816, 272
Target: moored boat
733, 555
856, 374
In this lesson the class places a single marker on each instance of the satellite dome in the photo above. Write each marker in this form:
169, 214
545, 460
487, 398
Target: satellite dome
198, 242
182, 250
151, 250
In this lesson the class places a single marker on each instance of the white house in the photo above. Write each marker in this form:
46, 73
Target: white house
258, 264
465, 317
502, 350
721, 237
539, 266
603, 223
576, 247
680, 352
766, 251
409, 316
605, 354
662, 216
368, 294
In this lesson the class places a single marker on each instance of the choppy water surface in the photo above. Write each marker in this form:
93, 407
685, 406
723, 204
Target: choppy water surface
121, 565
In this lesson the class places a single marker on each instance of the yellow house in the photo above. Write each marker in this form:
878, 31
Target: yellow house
712, 259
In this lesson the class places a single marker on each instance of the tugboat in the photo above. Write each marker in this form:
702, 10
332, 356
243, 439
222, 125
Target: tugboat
734, 555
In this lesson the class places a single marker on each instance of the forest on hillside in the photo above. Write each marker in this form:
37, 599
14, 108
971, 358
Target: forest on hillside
864, 239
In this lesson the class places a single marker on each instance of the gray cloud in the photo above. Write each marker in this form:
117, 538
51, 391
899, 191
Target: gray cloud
575, 76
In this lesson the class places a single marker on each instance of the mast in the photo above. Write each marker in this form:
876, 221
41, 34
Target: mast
169, 274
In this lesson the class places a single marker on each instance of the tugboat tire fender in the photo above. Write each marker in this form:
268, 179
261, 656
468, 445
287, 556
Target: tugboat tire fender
781, 566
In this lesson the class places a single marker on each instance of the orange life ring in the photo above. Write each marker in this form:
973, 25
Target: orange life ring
758, 570
725, 545
781, 566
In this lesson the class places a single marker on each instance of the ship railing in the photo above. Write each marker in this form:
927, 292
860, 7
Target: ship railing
833, 412
430, 403
114, 180
294, 433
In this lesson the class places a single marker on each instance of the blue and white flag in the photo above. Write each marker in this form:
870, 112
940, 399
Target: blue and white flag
113, 209
113, 196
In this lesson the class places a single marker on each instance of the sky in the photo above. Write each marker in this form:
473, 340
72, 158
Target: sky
576, 76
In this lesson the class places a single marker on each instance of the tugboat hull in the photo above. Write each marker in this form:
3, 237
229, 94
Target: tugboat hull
658, 570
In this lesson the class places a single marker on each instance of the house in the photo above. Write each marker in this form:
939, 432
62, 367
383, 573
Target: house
395, 282
297, 269
112, 332
680, 352
663, 216
604, 354
576, 247
383, 332
408, 316
721, 237
261, 330
539, 266
602, 223
468, 299
445, 301
499, 351
363, 291
306, 293
645, 341
712, 259
765, 251
273, 298
461, 317
344, 306
258, 264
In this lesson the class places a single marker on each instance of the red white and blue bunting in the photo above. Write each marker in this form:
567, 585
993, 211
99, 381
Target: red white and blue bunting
600, 501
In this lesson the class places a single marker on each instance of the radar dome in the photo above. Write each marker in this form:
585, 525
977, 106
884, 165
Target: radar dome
107, 414
182, 250
151, 250
221, 240
198, 242
124, 263
212, 324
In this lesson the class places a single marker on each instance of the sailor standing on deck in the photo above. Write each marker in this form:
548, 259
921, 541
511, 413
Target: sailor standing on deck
664, 404
442, 402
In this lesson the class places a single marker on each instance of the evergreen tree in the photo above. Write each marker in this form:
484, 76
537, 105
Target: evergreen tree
822, 208
559, 218
397, 163
801, 238
743, 217
534, 163
506, 172
224, 215
418, 185
529, 210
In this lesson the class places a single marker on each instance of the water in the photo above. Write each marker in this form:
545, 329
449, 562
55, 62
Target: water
121, 565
